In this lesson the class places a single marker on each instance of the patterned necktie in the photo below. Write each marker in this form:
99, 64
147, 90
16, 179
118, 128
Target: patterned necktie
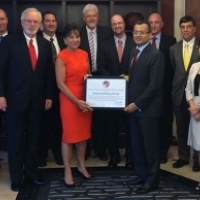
54, 53
32, 53
186, 56
154, 42
120, 50
91, 45
134, 59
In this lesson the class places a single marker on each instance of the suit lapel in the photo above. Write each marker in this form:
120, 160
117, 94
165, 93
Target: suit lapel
162, 43
25, 49
194, 55
180, 55
140, 60
40, 44
114, 49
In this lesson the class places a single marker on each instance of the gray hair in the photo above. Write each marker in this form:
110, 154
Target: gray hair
31, 10
90, 7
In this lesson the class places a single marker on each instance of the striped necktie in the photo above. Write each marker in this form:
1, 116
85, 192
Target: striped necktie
91, 45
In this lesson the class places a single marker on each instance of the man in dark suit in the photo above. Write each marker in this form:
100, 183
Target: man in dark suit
51, 127
92, 36
145, 106
186, 49
3, 33
26, 75
113, 60
163, 42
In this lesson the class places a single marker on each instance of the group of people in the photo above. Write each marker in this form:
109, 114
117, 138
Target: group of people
42, 85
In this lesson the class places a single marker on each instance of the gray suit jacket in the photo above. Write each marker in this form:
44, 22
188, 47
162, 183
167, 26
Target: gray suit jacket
180, 75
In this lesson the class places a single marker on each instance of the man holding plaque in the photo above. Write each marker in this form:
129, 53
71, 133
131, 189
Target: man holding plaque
113, 60
145, 107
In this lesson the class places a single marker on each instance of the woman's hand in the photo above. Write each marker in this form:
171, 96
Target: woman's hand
84, 106
195, 112
86, 75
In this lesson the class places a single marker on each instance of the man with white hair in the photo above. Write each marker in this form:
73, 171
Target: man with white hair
26, 75
92, 37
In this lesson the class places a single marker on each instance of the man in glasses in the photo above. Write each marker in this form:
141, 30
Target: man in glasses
145, 107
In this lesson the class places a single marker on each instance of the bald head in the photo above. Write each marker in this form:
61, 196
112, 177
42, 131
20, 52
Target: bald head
3, 22
156, 22
118, 25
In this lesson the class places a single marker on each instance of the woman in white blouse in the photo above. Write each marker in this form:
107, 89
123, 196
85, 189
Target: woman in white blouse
193, 97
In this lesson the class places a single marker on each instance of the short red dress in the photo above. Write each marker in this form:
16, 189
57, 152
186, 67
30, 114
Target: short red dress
76, 124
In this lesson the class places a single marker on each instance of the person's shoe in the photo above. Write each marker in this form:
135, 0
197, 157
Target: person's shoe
38, 181
85, 177
87, 155
145, 189
129, 163
15, 186
59, 160
163, 159
42, 163
102, 156
174, 141
69, 186
180, 163
137, 181
113, 163
195, 168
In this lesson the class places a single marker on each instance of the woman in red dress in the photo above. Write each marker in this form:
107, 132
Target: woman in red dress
72, 67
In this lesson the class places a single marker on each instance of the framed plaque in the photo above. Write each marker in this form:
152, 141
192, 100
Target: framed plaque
106, 92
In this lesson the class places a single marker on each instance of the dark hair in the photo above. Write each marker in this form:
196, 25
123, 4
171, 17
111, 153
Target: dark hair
187, 18
48, 12
69, 29
144, 22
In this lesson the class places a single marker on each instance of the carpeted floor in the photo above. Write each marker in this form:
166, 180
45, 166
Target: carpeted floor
107, 184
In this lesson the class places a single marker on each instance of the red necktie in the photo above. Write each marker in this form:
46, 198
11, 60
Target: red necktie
32, 53
154, 42
120, 50
135, 53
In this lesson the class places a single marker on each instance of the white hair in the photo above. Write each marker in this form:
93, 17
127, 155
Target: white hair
31, 10
90, 7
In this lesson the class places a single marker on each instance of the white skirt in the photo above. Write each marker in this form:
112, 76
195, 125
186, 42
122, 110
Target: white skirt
194, 130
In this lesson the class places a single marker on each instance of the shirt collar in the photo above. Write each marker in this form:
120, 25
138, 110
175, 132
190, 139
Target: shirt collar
4, 34
28, 38
89, 30
190, 43
48, 37
141, 48
158, 36
123, 39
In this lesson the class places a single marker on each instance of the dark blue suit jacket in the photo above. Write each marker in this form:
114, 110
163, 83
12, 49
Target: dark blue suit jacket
19, 84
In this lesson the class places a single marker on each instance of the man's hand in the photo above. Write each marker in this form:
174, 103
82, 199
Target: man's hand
130, 108
125, 76
3, 103
48, 104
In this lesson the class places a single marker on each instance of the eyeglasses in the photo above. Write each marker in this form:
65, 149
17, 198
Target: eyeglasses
139, 33
31, 21
117, 24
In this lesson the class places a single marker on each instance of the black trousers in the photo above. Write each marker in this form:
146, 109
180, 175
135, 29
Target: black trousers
182, 122
51, 131
107, 134
166, 127
145, 145
23, 134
